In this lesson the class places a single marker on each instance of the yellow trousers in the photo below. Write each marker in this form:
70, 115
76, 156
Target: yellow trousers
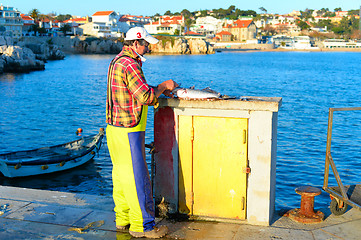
132, 192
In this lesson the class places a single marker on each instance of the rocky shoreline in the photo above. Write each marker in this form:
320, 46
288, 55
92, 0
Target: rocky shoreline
26, 57
31, 53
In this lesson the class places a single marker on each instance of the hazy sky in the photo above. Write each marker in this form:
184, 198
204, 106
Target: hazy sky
148, 8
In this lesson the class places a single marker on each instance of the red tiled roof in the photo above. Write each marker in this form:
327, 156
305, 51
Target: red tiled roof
154, 23
103, 13
224, 33
26, 17
242, 23
76, 20
192, 33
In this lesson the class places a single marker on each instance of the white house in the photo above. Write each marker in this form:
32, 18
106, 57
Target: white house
207, 25
104, 24
27, 24
165, 24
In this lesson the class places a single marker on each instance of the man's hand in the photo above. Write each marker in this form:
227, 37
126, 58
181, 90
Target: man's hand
166, 87
168, 93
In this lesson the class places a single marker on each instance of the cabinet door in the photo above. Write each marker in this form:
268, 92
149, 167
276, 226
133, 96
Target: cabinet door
216, 161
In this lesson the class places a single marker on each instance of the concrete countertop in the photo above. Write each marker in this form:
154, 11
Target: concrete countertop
247, 103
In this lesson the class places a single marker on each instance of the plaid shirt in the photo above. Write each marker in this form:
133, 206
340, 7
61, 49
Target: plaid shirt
127, 90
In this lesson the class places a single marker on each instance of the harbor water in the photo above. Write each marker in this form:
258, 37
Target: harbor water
46, 108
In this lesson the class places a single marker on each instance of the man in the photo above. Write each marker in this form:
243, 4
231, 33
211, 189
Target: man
128, 97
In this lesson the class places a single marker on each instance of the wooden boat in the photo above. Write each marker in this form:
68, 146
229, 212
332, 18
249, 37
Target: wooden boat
51, 159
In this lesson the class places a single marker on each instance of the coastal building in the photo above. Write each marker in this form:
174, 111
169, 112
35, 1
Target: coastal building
11, 22
223, 36
296, 42
129, 21
295, 13
341, 44
290, 29
77, 21
141, 19
166, 25
28, 22
75, 24
341, 14
242, 30
104, 24
207, 25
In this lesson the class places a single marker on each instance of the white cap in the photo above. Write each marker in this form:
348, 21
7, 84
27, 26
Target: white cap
140, 33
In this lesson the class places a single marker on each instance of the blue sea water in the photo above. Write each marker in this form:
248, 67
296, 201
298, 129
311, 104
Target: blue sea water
46, 107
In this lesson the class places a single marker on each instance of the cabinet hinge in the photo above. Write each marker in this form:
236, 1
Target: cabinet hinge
192, 133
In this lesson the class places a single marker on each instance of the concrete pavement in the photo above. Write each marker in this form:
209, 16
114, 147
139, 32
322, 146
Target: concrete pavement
51, 215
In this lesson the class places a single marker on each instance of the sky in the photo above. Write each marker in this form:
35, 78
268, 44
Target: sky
150, 8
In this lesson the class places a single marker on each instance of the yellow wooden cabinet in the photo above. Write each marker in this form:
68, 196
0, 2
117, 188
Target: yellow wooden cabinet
217, 159
212, 166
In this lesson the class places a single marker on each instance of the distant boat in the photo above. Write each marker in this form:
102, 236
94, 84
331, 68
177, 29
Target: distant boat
51, 159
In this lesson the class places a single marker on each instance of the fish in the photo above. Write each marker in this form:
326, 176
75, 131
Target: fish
189, 93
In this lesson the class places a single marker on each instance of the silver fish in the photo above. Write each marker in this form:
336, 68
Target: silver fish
188, 93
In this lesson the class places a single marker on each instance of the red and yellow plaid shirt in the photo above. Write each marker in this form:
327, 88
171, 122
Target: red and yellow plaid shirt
127, 90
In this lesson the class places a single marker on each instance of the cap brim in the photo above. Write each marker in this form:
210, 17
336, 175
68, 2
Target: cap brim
151, 39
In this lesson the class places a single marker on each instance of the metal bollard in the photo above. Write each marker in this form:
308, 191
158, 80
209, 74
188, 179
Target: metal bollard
306, 213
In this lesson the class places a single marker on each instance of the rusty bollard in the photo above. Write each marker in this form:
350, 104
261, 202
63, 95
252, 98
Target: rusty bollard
306, 213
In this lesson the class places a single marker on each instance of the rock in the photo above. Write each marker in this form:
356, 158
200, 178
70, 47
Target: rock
9, 40
46, 51
172, 45
200, 46
2, 41
18, 59
55, 53
181, 46
2, 64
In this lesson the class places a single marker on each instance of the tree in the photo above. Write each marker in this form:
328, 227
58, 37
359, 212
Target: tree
186, 13
324, 23
338, 9
168, 13
306, 14
269, 30
231, 9
338, 30
34, 28
62, 17
188, 23
303, 25
347, 25
356, 34
34, 13
353, 12
263, 9
65, 28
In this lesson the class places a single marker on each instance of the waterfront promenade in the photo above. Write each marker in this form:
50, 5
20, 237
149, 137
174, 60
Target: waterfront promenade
40, 214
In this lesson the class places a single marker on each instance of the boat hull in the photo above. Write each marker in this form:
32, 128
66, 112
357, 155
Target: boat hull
22, 169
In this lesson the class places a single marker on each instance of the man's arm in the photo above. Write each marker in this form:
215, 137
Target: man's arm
166, 86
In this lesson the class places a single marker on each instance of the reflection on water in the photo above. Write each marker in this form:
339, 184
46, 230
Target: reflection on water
45, 108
